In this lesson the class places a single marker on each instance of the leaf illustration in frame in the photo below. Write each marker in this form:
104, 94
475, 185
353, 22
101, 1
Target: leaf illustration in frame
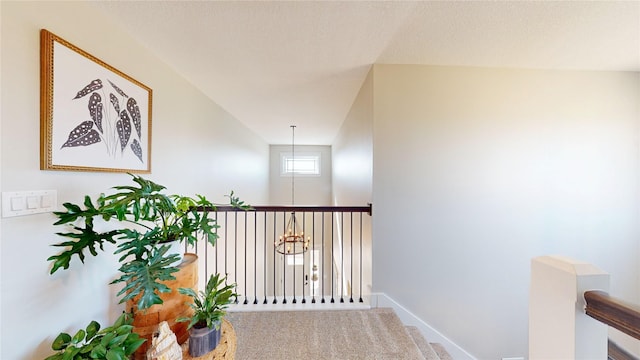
137, 149
79, 74
124, 129
132, 106
93, 86
95, 110
82, 135
117, 89
114, 102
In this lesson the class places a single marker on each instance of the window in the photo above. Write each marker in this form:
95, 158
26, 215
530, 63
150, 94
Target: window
304, 164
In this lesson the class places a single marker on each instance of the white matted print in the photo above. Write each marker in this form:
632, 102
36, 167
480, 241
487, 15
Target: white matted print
93, 117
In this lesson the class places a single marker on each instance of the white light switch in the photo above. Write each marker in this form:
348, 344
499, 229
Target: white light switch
47, 201
17, 203
33, 202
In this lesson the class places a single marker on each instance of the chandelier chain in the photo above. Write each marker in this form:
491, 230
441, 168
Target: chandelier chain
292, 242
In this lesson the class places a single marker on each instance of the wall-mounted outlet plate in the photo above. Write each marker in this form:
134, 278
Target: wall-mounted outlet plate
18, 203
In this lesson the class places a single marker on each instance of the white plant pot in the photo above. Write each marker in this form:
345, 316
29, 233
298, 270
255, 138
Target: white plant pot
176, 247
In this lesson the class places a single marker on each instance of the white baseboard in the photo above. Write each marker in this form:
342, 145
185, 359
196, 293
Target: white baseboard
409, 319
299, 306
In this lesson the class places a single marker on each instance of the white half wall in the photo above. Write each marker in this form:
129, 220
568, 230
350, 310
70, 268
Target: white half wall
558, 324
198, 148
476, 171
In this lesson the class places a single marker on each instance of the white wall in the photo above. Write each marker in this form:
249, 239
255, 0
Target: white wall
352, 154
197, 148
476, 171
1, 286
309, 190
352, 151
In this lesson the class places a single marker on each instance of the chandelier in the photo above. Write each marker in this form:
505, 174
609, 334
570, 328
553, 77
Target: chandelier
292, 242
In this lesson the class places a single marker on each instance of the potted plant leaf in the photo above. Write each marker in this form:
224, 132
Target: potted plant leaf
116, 342
209, 308
150, 220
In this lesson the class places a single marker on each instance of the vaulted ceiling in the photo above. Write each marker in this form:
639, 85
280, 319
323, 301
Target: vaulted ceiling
272, 64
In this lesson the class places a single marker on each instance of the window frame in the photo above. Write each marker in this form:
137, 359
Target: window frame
286, 157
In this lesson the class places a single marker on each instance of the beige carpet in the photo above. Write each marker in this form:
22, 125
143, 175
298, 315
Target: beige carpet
376, 334
425, 348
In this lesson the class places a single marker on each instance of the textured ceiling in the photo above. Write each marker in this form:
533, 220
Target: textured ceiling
272, 64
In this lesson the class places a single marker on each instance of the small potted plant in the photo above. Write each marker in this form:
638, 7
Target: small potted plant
116, 342
209, 308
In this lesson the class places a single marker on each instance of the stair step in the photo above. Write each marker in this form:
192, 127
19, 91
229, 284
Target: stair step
425, 348
389, 316
441, 351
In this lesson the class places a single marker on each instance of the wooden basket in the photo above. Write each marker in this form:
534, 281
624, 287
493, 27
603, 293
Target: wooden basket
174, 305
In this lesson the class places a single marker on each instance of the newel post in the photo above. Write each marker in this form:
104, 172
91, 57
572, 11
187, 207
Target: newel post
558, 325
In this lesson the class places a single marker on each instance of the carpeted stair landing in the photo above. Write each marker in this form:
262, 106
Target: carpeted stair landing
334, 334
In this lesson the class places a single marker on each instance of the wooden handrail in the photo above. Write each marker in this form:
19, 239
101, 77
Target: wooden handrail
613, 312
288, 208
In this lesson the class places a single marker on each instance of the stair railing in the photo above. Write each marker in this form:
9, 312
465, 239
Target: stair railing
335, 270
617, 314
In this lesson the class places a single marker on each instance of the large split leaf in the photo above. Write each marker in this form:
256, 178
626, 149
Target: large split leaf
137, 244
85, 239
144, 202
144, 277
74, 212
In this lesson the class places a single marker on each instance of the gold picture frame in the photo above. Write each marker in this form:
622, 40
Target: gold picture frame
93, 117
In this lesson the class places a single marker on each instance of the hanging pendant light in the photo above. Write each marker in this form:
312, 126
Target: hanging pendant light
292, 241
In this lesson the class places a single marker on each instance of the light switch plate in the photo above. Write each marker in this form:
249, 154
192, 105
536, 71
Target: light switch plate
18, 203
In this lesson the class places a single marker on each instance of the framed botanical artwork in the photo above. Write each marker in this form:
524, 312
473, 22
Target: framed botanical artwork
93, 117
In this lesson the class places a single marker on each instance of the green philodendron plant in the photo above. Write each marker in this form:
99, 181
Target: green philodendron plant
151, 220
116, 342
210, 305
